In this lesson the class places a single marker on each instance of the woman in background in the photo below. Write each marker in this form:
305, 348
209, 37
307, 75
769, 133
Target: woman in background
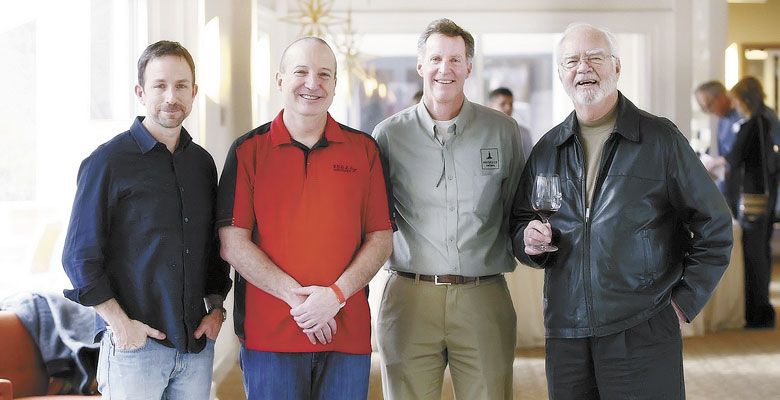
752, 171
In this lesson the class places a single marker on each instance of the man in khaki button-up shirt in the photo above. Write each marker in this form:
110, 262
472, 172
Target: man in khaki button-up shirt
454, 167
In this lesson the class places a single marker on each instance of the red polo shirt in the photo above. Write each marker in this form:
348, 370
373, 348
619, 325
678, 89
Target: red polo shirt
308, 210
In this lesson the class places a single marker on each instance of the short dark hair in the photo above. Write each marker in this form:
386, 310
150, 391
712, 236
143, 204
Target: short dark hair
445, 27
502, 91
749, 91
161, 49
711, 88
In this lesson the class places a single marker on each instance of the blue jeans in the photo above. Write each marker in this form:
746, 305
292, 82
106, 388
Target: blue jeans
322, 375
153, 371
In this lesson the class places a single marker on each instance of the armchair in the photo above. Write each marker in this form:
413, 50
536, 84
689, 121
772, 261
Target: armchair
22, 371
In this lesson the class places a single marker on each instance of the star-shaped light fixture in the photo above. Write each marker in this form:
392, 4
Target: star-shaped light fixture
314, 17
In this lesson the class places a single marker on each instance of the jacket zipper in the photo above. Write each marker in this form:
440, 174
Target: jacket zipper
586, 249
605, 154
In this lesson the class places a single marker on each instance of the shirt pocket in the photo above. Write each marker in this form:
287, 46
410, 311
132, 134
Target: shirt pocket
486, 192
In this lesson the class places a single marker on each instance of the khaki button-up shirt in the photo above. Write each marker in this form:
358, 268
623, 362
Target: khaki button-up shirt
452, 201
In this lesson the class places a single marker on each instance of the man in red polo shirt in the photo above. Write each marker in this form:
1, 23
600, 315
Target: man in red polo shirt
304, 219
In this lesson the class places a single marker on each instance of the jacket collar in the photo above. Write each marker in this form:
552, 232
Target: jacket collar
627, 124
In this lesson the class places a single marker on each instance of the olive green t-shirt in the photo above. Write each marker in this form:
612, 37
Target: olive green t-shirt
593, 136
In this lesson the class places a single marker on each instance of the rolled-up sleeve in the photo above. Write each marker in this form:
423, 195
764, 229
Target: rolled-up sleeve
217, 270
84, 251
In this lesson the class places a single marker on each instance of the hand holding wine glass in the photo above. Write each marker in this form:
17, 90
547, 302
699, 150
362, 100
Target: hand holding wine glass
546, 201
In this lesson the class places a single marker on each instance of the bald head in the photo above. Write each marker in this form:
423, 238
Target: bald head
307, 79
301, 47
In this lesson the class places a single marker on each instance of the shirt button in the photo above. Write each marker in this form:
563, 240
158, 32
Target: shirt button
450, 177
452, 239
452, 208
186, 251
186, 219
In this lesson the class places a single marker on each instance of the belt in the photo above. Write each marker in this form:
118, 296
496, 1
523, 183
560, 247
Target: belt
446, 279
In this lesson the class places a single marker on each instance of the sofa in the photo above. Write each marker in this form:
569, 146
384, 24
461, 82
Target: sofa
22, 371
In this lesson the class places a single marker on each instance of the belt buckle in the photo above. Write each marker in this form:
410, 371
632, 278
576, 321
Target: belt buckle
437, 283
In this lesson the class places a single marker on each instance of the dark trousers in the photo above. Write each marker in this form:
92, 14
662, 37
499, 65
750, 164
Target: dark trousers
758, 271
642, 362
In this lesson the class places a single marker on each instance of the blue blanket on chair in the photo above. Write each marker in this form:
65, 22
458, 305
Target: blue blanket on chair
62, 330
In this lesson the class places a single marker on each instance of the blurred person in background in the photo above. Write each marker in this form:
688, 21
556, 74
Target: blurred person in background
752, 173
714, 100
502, 99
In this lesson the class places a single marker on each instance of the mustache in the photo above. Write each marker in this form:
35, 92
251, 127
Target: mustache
172, 107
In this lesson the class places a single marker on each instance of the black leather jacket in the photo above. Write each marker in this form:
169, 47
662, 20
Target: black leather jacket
657, 229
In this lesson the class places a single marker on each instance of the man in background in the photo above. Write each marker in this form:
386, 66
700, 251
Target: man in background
714, 100
502, 99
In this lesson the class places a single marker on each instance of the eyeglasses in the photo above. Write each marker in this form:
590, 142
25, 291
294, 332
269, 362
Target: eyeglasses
593, 59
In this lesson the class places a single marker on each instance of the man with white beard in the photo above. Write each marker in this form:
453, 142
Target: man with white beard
642, 235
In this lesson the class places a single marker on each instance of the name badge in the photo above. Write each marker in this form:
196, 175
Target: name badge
489, 158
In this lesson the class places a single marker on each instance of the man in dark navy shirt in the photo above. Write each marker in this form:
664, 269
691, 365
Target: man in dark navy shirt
141, 246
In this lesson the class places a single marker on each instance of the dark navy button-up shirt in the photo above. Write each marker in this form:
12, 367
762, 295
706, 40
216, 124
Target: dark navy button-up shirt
142, 232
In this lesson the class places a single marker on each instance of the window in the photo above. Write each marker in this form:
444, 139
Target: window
70, 67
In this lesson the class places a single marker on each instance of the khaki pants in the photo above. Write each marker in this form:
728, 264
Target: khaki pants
422, 327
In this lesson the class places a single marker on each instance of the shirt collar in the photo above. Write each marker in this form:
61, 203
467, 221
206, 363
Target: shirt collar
627, 124
460, 122
280, 135
145, 141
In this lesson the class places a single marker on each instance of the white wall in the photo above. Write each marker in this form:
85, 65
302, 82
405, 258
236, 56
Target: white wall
667, 27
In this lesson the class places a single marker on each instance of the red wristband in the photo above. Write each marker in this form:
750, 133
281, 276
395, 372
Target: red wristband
339, 294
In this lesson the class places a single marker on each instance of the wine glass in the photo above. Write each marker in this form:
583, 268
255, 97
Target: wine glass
546, 201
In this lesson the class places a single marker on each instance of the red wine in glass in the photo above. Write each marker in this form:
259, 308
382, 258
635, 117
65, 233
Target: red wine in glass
545, 214
546, 201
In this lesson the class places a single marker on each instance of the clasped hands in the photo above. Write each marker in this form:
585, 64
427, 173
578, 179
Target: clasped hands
314, 309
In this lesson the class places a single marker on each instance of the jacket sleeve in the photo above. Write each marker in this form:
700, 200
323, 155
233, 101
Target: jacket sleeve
703, 211
85, 243
521, 214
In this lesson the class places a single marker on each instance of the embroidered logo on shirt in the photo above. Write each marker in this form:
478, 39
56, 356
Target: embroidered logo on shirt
344, 168
489, 158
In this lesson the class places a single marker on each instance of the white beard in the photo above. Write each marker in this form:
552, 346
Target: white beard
596, 94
